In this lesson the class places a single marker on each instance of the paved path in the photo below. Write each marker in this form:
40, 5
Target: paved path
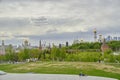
9, 76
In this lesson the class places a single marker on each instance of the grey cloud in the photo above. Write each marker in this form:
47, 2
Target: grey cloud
87, 36
66, 21
54, 30
30, 0
72, 35
110, 30
58, 21
13, 22
61, 36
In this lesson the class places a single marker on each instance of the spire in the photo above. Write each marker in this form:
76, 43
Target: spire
2, 51
95, 34
3, 43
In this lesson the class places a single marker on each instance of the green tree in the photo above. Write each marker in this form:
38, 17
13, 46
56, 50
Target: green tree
24, 54
62, 53
34, 53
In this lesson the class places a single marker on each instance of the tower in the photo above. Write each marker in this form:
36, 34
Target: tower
2, 48
100, 38
95, 35
118, 38
40, 45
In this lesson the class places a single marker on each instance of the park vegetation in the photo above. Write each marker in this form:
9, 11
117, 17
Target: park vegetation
84, 52
83, 57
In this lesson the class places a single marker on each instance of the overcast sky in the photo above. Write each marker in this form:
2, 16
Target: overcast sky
57, 20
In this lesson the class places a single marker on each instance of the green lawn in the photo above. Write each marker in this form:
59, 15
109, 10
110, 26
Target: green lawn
92, 69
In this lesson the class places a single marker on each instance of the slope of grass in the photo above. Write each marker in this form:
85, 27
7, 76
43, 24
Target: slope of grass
92, 69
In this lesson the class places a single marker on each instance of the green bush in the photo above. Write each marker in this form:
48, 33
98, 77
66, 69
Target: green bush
84, 56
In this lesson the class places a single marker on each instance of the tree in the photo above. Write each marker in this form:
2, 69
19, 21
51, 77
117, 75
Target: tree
34, 53
10, 54
24, 54
13, 57
2, 58
62, 53
53, 53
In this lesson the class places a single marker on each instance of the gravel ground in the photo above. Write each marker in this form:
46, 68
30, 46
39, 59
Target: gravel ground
31, 76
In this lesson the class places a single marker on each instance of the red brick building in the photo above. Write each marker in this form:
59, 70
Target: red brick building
104, 46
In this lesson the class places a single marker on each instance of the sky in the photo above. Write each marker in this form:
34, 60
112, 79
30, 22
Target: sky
57, 21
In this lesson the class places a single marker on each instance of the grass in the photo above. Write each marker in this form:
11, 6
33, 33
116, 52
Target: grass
92, 69
114, 64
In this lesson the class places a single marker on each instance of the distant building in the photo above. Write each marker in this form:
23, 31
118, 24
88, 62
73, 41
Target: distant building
49, 46
109, 38
2, 48
26, 44
104, 46
118, 38
60, 45
67, 44
76, 42
115, 39
100, 38
81, 41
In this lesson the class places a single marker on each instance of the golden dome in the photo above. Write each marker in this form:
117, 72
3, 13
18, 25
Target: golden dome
94, 31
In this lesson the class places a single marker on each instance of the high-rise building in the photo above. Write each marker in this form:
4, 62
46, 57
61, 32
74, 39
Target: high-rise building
118, 38
67, 44
115, 38
60, 45
109, 38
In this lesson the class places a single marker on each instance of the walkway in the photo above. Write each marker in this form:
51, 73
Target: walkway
31, 76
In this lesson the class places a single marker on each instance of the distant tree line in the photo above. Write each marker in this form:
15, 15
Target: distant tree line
86, 46
114, 45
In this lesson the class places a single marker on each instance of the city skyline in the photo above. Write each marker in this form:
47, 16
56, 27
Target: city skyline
57, 21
